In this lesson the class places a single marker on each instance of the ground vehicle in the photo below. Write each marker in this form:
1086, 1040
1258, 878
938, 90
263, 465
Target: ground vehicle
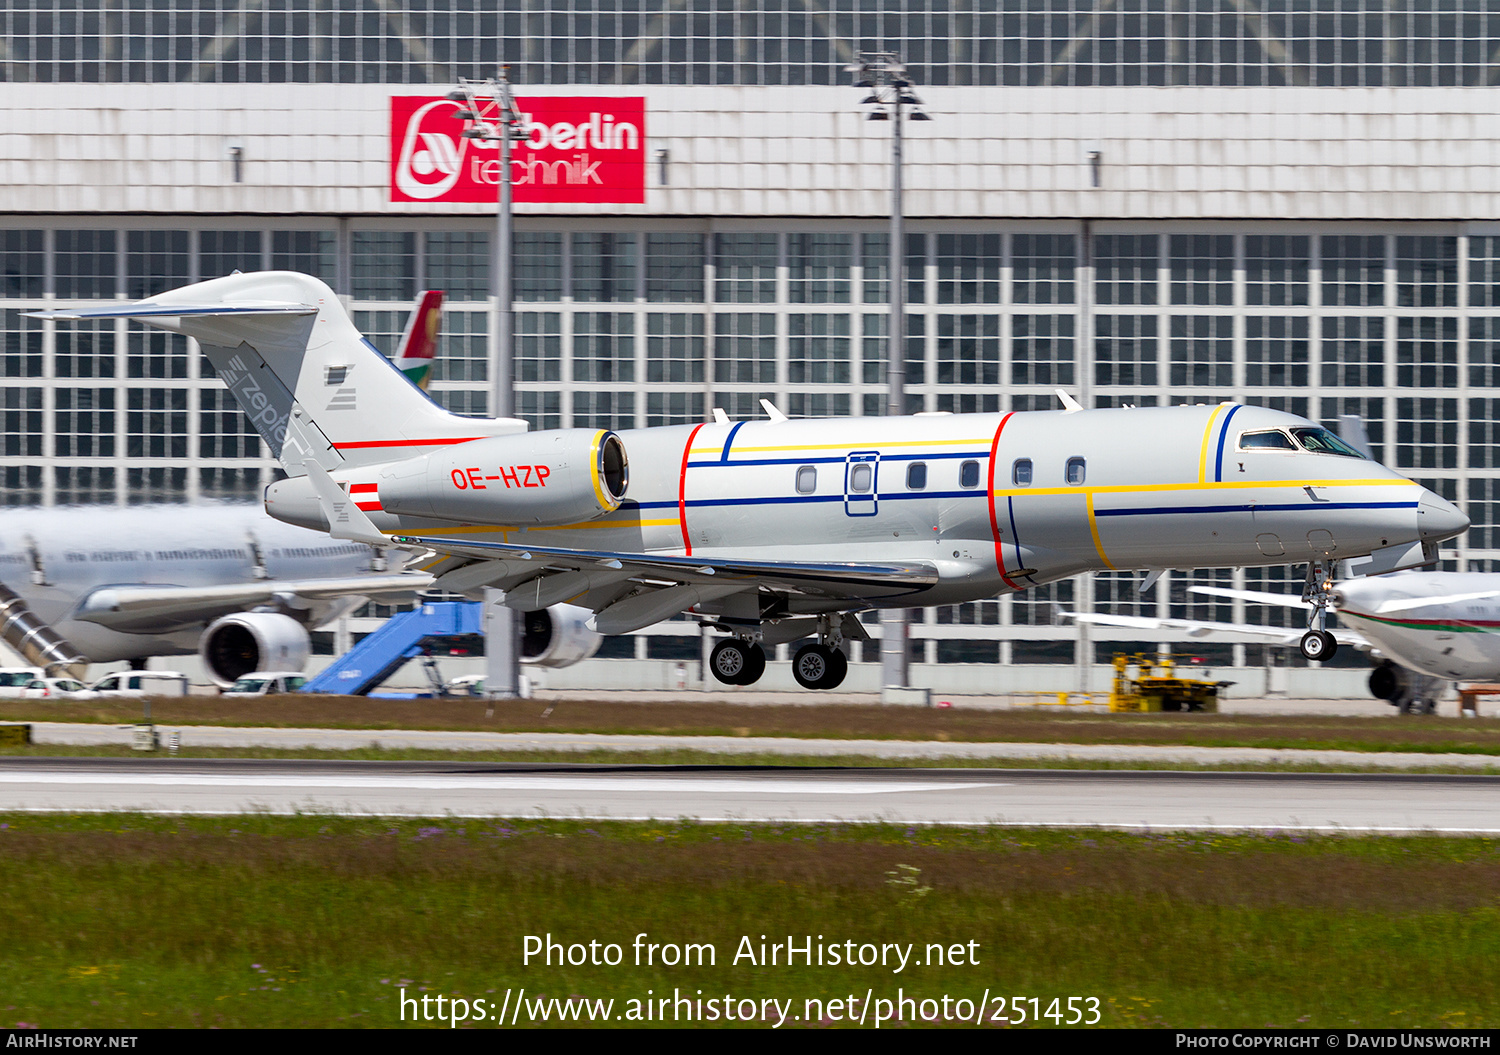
138, 683
13, 680
267, 683
58, 689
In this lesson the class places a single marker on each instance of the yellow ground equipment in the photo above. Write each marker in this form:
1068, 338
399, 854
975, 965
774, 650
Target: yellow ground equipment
1155, 688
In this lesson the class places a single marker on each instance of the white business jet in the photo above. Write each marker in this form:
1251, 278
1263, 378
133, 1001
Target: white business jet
777, 529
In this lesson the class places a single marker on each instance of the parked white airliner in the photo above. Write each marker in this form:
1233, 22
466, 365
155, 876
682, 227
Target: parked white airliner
774, 529
92, 584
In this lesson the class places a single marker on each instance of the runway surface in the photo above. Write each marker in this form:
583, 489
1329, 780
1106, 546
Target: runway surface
1314, 802
84, 735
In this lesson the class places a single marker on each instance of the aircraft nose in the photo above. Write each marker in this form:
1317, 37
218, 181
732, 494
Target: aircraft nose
1439, 519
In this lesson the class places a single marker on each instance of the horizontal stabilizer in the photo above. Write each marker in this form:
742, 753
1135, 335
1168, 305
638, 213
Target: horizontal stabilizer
167, 311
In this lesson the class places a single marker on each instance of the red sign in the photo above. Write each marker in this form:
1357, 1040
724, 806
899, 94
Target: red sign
577, 149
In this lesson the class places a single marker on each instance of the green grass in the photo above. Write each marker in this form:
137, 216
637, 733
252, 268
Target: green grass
693, 757
132, 921
690, 717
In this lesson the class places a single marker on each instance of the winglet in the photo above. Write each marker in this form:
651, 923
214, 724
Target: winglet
1070, 405
345, 519
720, 418
771, 411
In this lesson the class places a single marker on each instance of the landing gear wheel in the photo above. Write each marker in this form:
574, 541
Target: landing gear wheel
736, 662
838, 667
819, 667
1319, 645
755, 665
730, 661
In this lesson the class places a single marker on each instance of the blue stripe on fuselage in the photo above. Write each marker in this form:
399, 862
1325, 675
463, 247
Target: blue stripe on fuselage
1223, 434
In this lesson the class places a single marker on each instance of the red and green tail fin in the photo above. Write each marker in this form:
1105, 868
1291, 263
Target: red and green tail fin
419, 343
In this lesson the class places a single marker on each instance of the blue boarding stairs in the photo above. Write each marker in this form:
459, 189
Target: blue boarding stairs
403, 637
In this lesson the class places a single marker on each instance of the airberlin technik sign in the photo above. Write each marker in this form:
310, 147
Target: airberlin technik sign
577, 149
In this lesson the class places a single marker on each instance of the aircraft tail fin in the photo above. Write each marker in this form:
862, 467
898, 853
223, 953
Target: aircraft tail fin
418, 347
314, 388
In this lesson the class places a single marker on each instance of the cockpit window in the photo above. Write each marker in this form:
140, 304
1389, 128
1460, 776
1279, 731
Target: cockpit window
1275, 440
1321, 441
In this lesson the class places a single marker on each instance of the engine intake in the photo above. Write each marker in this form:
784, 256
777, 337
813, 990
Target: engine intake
561, 476
246, 642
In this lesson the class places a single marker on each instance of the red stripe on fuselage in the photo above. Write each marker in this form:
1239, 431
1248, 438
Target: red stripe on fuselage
687, 543
367, 506
994, 520
355, 489
406, 443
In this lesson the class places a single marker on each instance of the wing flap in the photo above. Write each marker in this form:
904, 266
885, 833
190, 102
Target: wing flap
839, 579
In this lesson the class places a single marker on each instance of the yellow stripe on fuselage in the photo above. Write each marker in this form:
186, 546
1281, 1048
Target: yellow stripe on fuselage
1094, 530
1208, 432
882, 444
1238, 485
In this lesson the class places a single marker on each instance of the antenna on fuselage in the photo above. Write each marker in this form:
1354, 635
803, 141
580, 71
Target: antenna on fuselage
771, 411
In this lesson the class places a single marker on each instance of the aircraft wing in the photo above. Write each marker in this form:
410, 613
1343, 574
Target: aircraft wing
1281, 635
127, 607
834, 579
1285, 600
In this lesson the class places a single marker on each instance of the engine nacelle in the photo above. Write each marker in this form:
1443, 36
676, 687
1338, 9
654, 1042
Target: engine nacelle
1388, 682
240, 644
557, 636
561, 476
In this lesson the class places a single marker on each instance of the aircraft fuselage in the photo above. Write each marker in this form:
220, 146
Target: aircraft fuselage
995, 502
1456, 640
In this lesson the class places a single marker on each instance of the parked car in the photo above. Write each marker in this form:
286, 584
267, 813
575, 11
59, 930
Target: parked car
137, 683
267, 683
57, 689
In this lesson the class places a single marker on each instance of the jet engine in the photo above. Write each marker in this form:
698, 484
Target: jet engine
561, 476
240, 644
557, 636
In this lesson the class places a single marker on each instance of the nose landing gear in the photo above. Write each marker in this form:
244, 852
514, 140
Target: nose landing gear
1318, 644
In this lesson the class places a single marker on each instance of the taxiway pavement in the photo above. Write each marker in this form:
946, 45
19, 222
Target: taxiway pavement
1155, 800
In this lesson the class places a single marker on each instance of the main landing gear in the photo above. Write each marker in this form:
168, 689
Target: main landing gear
1318, 644
737, 662
817, 665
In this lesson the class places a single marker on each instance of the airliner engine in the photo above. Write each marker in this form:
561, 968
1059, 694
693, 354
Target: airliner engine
561, 476
557, 636
240, 644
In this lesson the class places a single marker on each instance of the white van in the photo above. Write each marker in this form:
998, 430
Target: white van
13, 680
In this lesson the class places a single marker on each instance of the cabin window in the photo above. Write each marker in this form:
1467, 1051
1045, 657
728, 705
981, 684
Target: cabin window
916, 476
807, 480
968, 474
1020, 472
1076, 471
1275, 440
859, 478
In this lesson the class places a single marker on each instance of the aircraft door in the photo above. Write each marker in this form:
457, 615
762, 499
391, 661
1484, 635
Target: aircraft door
861, 480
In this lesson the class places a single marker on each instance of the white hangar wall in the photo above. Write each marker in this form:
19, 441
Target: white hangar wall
1328, 154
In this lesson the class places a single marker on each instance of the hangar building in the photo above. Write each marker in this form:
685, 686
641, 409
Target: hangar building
1149, 202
